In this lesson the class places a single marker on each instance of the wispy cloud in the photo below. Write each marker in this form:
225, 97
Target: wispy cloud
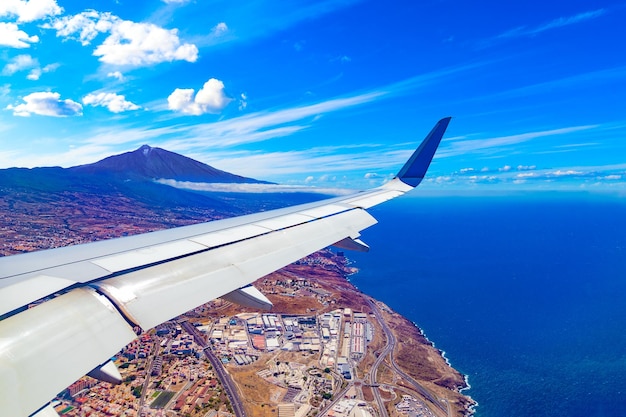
460, 147
194, 139
319, 161
251, 188
262, 126
553, 24
255, 19
527, 31
604, 76
428, 78
269, 124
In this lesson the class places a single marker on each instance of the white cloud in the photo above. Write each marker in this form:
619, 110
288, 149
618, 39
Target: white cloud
371, 175
117, 75
5, 90
36, 72
29, 10
527, 175
12, 36
566, 173
243, 101
26, 62
85, 26
129, 43
209, 99
175, 1
19, 63
141, 44
114, 102
219, 29
46, 104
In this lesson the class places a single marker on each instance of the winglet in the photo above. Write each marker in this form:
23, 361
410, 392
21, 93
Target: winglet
412, 173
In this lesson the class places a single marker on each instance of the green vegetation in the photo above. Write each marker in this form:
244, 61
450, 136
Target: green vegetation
162, 399
66, 410
137, 392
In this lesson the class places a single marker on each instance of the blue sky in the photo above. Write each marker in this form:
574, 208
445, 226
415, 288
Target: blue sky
332, 93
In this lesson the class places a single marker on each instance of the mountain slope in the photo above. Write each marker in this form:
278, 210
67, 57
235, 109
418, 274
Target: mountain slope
150, 163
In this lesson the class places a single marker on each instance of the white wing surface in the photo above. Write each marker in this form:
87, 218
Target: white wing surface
104, 289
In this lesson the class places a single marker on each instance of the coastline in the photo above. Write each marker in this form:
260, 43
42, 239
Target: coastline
417, 356
448, 377
467, 386
349, 270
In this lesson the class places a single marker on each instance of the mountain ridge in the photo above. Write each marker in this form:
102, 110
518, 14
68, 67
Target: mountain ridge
117, 181
150, 163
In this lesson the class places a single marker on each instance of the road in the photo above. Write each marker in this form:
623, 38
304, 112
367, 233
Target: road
146, 383
227, 382
388, 350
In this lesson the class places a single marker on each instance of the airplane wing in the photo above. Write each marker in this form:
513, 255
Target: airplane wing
102, 290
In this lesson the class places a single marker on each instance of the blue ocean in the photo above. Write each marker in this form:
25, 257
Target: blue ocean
526, 294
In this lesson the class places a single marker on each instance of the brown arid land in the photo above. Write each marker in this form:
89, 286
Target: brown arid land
326, 273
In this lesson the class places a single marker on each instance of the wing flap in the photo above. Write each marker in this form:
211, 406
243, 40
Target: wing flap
22, 292
48, 347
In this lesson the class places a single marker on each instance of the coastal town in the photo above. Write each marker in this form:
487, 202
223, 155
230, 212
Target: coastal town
318, 357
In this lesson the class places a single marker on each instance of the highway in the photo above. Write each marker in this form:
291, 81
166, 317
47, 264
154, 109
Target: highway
229, 386
388, 350
374, 370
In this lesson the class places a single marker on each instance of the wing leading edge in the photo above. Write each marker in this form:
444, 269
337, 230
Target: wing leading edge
108, 287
